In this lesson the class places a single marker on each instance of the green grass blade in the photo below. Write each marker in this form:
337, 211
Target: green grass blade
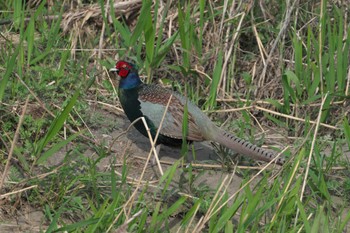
145, 10
292, 78
114, 180
64, 58
155, 216
9, 68
298, 58
168, 176
227, 214
31, 30
320, 223
345, 60
174, 207
215, 82
201, 25
149, 33
326, 108
346, 127
17, 13
189, 214
50, 152
303, 215
30, 39
163, 50
312, 90
141, 225
184, 147
184, 24
122, 30
288, 93
161, 26
329, 65
58, 123
51, 41
344, 223
79, 225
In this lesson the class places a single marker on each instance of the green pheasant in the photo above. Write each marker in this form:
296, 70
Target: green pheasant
150, 101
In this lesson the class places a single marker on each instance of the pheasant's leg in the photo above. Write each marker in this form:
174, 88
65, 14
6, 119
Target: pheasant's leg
153, 160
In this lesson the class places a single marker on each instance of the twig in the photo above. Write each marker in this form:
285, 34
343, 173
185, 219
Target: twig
275, 113
280, 101
106, 105
311, 151
348, 83
18, 191
14, 143
157, 134
100, 44
295, 118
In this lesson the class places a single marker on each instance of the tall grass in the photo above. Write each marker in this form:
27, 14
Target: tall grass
213, 53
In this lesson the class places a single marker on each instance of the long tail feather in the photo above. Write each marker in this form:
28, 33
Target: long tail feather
246, 148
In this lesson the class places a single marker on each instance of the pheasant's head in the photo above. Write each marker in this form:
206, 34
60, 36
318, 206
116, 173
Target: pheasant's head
128, 74
122, 68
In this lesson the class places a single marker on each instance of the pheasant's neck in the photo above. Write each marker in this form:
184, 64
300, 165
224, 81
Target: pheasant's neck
131, 81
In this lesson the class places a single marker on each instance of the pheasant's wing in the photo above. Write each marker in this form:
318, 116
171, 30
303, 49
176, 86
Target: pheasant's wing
154, 100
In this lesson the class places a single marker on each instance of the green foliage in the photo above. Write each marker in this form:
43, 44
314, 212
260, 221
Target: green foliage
346, 126
191, 55
215, 82
184, 147
9, 68
312, 76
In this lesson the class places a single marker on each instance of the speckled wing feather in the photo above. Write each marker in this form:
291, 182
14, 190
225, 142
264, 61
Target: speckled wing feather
153, 101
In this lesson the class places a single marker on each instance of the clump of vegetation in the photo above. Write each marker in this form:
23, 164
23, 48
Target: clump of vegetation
278, 72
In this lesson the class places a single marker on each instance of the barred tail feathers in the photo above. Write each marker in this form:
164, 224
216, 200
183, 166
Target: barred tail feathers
246, 148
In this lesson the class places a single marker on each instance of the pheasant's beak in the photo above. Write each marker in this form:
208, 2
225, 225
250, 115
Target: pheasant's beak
114, 70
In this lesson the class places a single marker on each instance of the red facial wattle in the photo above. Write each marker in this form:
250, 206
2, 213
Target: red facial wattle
123, 72
123, 68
